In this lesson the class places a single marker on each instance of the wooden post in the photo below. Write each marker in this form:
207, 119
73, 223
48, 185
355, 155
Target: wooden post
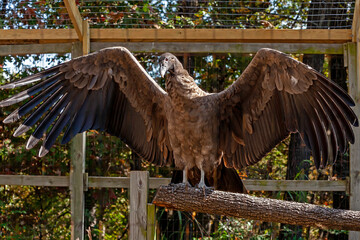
77, 173
151, 221
78, 178
139, 186
75, 17
354, 89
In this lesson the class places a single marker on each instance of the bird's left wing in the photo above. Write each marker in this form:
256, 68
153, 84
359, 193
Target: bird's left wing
277, 95
108, 90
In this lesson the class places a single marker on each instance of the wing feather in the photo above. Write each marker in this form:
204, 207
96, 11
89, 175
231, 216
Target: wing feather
108, 90
284, 96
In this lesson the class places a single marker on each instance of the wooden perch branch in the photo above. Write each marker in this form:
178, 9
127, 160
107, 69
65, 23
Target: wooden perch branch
264, 209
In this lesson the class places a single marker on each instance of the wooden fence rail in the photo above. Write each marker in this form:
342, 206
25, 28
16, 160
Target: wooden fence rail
124, 182
142, 214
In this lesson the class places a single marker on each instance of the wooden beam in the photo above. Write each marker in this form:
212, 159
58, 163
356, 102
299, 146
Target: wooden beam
223, 35
177, 47
86, 37
64, 181
77, 174
123, 182
354, 89
251, 184
151, 222
75, 17
297, 185
6, 50
77, 187
29, 180
139, 188
154, 183
184, 47
356, 22
20, 36
109, 182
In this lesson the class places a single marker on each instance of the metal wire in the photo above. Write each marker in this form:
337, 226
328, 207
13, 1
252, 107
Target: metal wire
16, 14
219, 14
180, 14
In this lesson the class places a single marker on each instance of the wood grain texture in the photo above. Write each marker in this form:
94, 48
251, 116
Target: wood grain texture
151, 221
354, 89
224, 35
124, 182
34, 49
77, 173
222, 47
355, 23
177, 47
21, 36
75, 17
41, 181
264, 209
77, 186
85, 38
295, 185
139, 186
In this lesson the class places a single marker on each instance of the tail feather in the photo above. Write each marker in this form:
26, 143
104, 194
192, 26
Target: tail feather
227, 179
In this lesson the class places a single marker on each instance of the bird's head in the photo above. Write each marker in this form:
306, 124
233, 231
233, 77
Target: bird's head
167, 63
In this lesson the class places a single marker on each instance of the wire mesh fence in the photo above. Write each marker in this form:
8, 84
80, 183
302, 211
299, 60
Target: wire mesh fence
33, 14
219, 14
180, 14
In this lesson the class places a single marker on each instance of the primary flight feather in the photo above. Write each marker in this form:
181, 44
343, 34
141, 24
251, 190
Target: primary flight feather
198, 131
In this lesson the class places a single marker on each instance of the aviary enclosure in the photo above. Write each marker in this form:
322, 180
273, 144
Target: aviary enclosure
81, 190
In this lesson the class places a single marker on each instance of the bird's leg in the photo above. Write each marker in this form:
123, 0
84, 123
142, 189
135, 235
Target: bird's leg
185, 178
202, 182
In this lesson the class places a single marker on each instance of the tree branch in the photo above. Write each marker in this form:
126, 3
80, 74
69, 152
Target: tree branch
264, 209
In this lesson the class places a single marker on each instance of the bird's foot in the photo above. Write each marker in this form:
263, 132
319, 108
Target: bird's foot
185, 185
206, 190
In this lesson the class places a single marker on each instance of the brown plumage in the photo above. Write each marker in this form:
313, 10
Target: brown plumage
200, 132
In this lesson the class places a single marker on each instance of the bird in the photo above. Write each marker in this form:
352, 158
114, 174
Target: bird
207, 136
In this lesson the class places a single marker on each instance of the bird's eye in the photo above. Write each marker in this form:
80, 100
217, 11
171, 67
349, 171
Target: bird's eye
166, 59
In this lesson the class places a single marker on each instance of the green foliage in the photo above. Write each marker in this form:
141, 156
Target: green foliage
232, 228
33, 211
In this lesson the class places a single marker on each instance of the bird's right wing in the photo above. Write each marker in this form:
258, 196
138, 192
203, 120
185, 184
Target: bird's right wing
277, 95
108, 90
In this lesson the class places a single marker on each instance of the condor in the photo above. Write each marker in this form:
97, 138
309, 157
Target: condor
207, 135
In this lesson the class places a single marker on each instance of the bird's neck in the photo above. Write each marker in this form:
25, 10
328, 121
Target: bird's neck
180, 84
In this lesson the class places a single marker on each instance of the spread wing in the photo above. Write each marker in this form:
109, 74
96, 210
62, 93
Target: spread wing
108, 90
277, 95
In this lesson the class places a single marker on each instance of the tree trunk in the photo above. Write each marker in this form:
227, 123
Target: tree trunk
191, 199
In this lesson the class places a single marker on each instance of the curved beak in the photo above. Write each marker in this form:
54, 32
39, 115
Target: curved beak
163, 70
